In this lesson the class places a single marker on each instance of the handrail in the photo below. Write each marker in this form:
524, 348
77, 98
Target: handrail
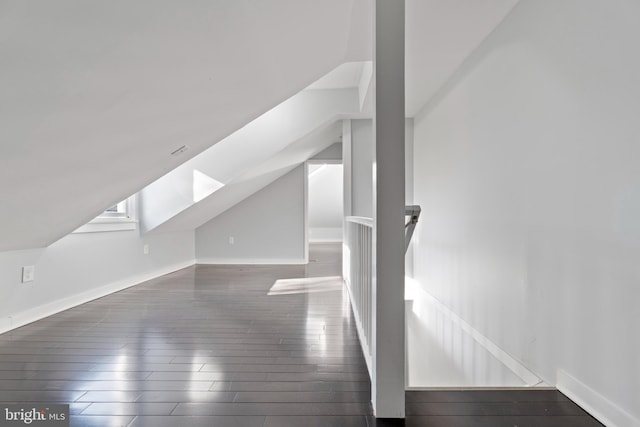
358, 273
364, 220
413, 212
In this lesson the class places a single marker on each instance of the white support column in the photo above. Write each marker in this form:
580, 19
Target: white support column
388, 385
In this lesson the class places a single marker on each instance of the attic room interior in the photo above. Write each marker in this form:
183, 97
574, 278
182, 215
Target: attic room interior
205, 212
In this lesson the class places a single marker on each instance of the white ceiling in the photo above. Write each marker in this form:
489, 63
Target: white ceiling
253, 180
268, 140
95, 95
344, 76
440, 35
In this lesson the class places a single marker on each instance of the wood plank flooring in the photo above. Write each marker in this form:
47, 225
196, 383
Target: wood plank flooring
494, 408
208, 346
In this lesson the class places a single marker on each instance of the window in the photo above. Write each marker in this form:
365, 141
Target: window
117, 212
119, 217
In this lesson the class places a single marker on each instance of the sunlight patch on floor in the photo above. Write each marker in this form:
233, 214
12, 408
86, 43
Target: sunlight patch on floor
306, 285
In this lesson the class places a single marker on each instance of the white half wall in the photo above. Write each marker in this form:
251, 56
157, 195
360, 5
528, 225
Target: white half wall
526, 167
81, 267
267, 227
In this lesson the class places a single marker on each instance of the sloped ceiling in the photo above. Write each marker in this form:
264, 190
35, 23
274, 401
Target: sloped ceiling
255, 179
95, 95
261, 141
440, 35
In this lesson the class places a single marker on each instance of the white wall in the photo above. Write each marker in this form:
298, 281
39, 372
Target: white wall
325, 202
332, 152
408, 192
361, 168
526, 167
267, 227
362, 173
84, 266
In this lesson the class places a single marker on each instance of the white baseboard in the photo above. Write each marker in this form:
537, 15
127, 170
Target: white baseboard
40, 312
601, 408
250, 261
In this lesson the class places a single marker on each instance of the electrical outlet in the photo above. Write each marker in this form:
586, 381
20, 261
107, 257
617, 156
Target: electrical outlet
232, 240
145, 249
28, 273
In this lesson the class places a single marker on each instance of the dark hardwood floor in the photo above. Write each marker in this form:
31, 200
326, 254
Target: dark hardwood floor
494, 408
211, 346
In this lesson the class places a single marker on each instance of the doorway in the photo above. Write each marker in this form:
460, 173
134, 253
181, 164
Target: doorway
325, 201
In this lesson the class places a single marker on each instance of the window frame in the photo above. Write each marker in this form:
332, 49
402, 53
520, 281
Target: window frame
124, 219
